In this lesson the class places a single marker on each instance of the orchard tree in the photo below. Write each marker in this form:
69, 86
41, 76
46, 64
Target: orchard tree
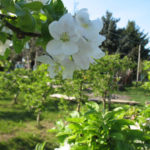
105, 75
36, 89
11, 83
78, 86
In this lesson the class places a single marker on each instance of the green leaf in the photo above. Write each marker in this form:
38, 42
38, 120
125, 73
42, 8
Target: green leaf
72, 138
76, 120
117, 136
18, 44
54, 10
3, 36
80, 147
34, 6
26, 21
75, 126
45, 32
6, 55
93, 105
40, 146
7, 5
19, 10
62, 136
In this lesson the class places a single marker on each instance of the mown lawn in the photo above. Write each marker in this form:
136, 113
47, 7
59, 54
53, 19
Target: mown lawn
18, 130
136, 94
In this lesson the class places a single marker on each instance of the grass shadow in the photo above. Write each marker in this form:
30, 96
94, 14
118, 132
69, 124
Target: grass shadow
17, 115
24, 143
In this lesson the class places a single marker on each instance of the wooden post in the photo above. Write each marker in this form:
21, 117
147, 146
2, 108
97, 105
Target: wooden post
138, 66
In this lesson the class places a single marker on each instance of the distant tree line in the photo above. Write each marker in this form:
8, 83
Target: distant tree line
124, 41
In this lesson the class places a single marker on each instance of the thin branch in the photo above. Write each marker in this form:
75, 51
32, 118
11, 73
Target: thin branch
2, 16
20, 33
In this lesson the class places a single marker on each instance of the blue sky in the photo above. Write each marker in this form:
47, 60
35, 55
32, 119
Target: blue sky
137, 10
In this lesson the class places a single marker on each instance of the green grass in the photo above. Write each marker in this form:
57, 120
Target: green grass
24, 142
136, 94
18, 130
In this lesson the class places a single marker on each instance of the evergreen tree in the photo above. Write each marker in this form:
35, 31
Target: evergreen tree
130, 39
110, 31
124, 41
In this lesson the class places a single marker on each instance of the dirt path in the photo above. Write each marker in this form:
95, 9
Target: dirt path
122, 99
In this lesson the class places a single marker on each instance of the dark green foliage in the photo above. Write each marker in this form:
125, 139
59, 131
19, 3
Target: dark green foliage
132, 37
104, 76
28, 20
124, 41
110, 31
95, 129
31, 86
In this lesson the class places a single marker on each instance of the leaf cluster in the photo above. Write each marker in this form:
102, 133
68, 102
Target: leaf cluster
95, 129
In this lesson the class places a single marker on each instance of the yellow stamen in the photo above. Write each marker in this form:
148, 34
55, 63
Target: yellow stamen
64, 37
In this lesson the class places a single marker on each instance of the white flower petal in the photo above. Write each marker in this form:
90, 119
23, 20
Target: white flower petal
69, 68
66, 146
51, 70
98, 39
4, 46
59, 58
55, 30
81, 61
97, 54
97, 25
7, 30
54, 47
67, 21
89, 29
82, 16
86, 55
81, 58
69, 48
67, 24
45, 59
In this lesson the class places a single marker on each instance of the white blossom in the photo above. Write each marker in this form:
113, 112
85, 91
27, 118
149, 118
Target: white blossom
6, 30
48, 60
86, 55
135, 127
69, 68
65, 147
89, 29
65, 37
4, 46
75, 44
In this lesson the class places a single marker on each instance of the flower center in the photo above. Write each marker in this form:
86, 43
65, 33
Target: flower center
84, 23
64, 37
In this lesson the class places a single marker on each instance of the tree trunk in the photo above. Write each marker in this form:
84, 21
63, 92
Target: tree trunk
104, 100
80, 97
38, 119
15, 99
104, 103
109, 102
78, 107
